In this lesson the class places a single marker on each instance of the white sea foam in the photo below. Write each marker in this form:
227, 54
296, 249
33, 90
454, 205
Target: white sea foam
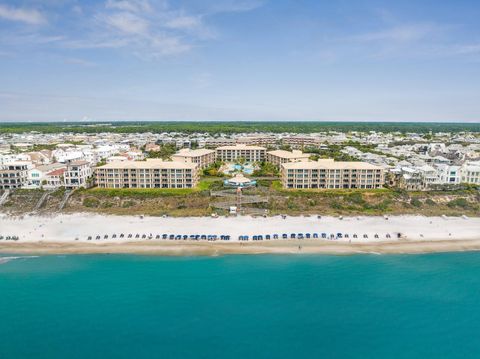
4, 260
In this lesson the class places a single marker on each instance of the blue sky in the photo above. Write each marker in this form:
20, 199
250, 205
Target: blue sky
362, 60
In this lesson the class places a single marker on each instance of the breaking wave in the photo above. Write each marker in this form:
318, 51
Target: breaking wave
4, 260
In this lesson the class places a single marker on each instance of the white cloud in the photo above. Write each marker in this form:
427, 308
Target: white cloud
80, 62
220, 6
163, 45
184, 22
95, 43
145, 28
127, 23
402, 33
30, 39
129, 5
28, 16
400, 40
469, 49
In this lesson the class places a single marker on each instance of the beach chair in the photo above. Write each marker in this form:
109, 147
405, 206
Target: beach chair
285, 236
260, 238
300, 236
254, 238
324, 235
171, 237
105, 236
365, 235
307, 235
157, 236
267, 236
275, 236
355, 235
292, 235
315, 235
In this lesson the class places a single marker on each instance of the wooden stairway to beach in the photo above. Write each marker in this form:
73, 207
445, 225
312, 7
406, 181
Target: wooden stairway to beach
4, 197
42, 200
66, 196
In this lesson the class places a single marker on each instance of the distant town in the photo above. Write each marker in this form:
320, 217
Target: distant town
368, 160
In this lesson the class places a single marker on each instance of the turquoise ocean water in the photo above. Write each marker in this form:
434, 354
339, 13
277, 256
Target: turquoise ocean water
365, 306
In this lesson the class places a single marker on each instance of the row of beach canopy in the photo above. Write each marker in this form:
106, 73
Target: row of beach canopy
310, 236
209, 237
213, 237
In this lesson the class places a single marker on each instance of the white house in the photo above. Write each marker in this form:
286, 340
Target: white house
36, 177
77, 174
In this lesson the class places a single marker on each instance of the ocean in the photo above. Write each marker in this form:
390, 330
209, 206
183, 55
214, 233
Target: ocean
297, 306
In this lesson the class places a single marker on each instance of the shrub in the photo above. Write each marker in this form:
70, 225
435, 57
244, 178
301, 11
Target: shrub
291, 205
459, 202
336, 205
91, 202
181, 205
356, 198
383, 206
416, 202
107, 205
430, 202
128, 204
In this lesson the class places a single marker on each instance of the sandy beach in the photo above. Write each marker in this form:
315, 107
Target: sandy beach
65, 234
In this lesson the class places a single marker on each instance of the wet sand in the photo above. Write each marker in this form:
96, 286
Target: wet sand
188, 248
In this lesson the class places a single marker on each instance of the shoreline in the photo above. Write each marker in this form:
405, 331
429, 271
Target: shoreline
298, 247
68, 234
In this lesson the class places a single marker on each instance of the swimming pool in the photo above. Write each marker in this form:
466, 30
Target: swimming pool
247, 168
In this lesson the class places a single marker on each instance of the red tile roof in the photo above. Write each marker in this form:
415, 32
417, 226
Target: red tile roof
58, 172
